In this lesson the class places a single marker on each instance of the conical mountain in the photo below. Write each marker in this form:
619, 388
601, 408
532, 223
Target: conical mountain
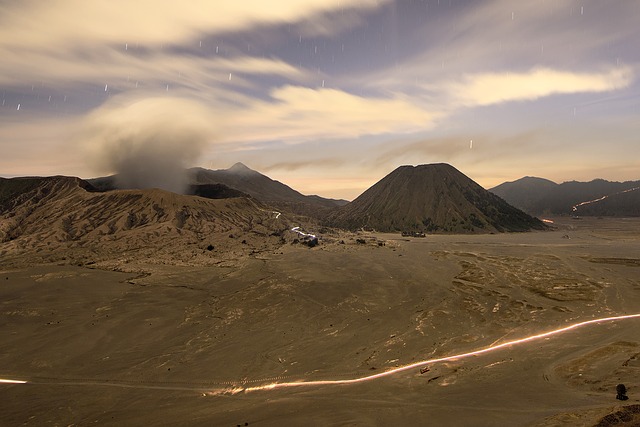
431, 198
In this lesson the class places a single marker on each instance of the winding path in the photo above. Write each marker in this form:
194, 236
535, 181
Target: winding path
443, 359
302, 383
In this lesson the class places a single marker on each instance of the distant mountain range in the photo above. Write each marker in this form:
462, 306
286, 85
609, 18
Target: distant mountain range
538, 196
239, 181
431, 198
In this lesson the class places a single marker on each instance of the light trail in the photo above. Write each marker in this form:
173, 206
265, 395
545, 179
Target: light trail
238, 388
273, 212
437, 360
6, 381
575, 208
302, 233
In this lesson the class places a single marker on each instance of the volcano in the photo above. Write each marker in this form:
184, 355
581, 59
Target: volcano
66, 218
242, 181
431, 198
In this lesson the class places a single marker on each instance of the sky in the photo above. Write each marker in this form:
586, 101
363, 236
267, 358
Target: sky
327, 96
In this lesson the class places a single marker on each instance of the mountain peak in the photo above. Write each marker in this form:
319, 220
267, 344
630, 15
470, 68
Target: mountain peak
264, 189
428, 166
240, 168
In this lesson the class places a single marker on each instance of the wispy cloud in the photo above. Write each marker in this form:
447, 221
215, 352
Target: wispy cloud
502, 36
75, 23
131, 45
125, 71
298, 114
495, 88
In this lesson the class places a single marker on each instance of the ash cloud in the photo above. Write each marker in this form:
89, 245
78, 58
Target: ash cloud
148, 143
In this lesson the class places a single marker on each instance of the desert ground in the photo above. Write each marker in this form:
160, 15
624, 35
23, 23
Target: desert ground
193, 344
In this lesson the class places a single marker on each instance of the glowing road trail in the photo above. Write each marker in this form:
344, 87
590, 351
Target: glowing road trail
438, 360
302, 233
575, 208
239, 388
5, 381
277, 214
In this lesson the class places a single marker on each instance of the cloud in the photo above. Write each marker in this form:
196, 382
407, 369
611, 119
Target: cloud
148, 143
152, 42
495, 88
124, 68
500, 36
299, 114
30, 24
424, 77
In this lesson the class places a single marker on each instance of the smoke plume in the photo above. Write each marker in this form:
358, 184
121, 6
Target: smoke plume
148, 143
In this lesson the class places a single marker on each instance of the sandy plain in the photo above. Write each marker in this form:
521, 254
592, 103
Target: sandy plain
180, 344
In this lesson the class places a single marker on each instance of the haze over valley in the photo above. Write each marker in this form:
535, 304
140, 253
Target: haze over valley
320, 212
212, 305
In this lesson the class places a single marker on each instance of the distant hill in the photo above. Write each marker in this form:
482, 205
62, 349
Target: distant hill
525, 193
599, 197
247, 181
42, 214
265, 189
431, 198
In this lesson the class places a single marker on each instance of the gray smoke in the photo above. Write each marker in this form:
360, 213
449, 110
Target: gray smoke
148, 143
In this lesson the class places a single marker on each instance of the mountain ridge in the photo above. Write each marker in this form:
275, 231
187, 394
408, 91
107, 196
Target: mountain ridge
242, 179
62, 215
536, 197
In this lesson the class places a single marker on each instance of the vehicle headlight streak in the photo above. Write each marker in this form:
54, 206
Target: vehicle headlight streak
441, 359
575, 208
302, 233
239, 388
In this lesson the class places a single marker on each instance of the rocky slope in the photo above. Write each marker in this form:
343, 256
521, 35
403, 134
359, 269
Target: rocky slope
64, 218
265, 189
